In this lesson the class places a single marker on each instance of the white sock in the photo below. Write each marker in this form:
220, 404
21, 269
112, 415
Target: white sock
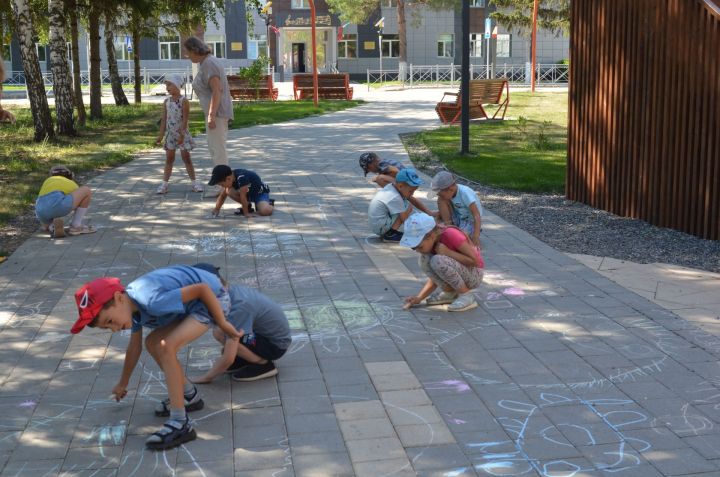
77, 218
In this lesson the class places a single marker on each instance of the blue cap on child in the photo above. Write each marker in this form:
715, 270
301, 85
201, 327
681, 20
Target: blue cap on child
409, 176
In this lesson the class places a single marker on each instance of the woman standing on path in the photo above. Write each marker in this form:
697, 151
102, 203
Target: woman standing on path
5, 116
211, 85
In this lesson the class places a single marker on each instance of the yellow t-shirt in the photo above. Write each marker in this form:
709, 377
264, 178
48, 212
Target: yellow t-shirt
63, 184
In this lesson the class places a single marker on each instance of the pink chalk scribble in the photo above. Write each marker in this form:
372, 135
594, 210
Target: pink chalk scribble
513, 291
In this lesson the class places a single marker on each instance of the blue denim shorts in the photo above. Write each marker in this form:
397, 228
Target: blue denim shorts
53, 205
207, 319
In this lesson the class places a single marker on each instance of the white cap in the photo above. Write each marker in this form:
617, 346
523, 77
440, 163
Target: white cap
416, 228
442, 180
175, 79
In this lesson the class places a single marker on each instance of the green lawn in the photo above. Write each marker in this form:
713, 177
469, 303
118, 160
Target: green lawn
521, 155
123, 132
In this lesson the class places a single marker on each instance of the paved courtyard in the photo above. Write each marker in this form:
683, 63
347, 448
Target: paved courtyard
560, 372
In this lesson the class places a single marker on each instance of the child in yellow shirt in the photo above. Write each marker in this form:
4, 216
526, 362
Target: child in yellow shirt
58, 196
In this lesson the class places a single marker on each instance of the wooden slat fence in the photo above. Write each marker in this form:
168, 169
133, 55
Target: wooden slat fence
644, 113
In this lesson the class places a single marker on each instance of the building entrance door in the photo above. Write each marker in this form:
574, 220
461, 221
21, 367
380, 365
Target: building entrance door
298, 57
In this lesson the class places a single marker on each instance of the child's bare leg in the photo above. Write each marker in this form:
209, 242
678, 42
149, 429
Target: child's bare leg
185, 155
186, 331
81, 197
169, 160
445, 208
264, 208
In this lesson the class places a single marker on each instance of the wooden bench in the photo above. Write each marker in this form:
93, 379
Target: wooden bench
483, 91
330, 86
241, 89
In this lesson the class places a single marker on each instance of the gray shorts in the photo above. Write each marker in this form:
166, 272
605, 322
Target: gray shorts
207, 319
53, 205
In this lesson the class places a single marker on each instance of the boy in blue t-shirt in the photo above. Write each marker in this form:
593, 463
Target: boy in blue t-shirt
178, 303
386, 169
242, 186
458, 204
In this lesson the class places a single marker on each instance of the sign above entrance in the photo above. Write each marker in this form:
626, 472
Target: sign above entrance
305, 21
236, 46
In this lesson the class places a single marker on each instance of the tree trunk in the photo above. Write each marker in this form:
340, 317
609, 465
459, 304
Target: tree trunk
95, 74
62, 84
402, 38
33, 77
71, 8
115, 81
136, 63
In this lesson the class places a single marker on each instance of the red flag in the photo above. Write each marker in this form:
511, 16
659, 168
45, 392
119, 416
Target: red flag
275, 29
340, 33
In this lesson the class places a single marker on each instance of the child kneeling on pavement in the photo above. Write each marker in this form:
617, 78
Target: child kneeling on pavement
242, 186
266, 336
179, 303
393, 204
449, 258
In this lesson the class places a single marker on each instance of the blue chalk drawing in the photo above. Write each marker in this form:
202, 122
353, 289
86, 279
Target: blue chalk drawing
611, 413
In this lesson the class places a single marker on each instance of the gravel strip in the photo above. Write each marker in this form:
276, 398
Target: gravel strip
572, 227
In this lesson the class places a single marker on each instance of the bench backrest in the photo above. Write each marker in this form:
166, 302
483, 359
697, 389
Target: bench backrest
487, 90
325, 80
238, 82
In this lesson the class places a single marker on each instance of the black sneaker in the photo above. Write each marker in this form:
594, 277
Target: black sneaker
392, 236
272, 202
253, 372
172, 434
237, 365
239, 210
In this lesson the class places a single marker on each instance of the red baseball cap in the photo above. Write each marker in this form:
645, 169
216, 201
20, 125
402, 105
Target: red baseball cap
91, 297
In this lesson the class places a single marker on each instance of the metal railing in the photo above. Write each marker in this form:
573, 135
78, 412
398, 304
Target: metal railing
150, 78
436, 75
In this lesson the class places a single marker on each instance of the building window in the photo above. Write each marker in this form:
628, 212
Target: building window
121, 49
445, 46
299, 4
6, 53
216, 44
40, 51
503, 46
347, 46
257, 46
389, 3
390, 46
476, 45
477, 3
169, 47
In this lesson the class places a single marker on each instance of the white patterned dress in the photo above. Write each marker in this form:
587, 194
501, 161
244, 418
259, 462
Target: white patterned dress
173, 126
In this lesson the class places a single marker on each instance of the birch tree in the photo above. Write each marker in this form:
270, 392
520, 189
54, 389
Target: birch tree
71, 7
25, 35
115, 81
62, 86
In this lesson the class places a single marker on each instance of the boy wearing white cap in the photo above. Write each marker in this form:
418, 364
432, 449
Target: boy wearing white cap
175, 133
458, 204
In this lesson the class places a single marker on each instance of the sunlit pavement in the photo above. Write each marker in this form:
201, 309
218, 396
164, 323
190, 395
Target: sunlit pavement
559, 372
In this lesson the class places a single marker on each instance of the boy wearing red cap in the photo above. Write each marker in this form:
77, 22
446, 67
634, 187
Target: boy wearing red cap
178, 303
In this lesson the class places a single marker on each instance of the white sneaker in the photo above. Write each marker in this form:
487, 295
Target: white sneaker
162, 188
197, 187
464, 302
441, 297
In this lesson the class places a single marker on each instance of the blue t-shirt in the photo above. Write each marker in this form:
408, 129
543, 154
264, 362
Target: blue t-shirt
461, 204
158, 298
245, 177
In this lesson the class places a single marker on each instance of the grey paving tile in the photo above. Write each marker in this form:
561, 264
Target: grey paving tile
367, 428
322, 465
307, 423
380, 448
396, 467
678, 462
437, 457
317, 443
261, 458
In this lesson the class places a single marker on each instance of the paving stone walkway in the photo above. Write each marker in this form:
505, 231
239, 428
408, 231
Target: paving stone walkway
559, 372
